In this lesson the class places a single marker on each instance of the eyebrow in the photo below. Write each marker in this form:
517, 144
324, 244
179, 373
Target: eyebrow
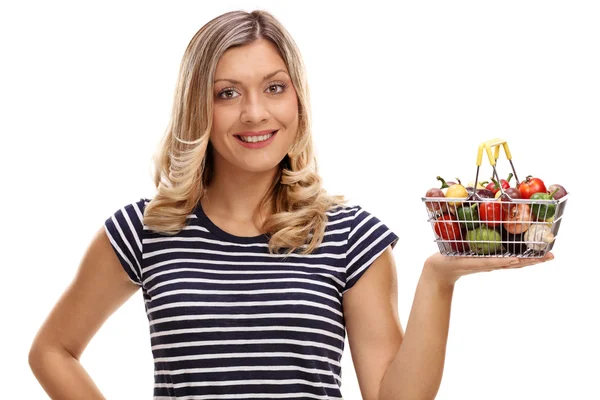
268, 76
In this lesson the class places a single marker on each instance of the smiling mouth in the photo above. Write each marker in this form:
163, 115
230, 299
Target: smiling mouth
255, 139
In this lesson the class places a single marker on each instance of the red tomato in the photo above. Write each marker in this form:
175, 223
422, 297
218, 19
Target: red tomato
448, 229
490, 213
530, 186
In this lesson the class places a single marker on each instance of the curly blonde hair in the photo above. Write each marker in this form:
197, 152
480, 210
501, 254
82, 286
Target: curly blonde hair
296, 198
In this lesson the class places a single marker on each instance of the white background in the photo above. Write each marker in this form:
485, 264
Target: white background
401, 94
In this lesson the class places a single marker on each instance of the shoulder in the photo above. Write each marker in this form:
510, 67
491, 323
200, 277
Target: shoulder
351, 215
125, 231
130, 214
368, 237
366, 223
337, 212
357, 222
138, 205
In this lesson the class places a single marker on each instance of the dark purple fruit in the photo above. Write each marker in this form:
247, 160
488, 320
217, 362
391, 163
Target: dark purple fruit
561, 192
485, 193
512, 193
435, 205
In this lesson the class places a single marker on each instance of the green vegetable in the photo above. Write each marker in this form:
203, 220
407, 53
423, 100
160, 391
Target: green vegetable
543, 211
485, 241
468, 216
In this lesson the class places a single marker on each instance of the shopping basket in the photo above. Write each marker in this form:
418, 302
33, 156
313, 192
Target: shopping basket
478, 226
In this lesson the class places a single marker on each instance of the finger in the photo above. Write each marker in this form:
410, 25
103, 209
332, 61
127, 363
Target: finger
488, 263
493, 263
524, 262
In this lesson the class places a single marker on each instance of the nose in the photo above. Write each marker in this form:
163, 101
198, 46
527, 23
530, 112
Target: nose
254, 111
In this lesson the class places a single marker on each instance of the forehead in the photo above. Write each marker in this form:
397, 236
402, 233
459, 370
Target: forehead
250, 62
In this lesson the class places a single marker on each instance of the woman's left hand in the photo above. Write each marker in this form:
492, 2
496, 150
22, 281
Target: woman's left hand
447, 270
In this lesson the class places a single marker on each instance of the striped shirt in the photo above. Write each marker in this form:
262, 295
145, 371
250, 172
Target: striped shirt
228, 320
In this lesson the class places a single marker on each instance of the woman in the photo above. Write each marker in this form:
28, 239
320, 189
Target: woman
251, 273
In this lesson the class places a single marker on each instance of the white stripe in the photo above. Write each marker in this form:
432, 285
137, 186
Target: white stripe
331, 244
368, 248
244, 292
229, 244
364, 221
116, 246
185, 228
336, 232
132, 228
346, 210
248, 368
195, 228
249, 396
124, 240
245, 342
240, 263
203, 240
363, 238
238, 282
247, 355
245, 316
243, 304
276, 328
238, 254
247, 382
139, 212
240, 272
339, 221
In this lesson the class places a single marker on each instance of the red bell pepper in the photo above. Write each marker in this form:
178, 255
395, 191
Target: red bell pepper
449, 229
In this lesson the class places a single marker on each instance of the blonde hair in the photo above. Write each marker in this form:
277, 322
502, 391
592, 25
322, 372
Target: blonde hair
183, 162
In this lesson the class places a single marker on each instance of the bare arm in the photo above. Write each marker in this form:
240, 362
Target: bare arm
416, 372
373, 325
392, 365
98, 289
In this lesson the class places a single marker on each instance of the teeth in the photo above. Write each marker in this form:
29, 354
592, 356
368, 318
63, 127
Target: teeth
255, 139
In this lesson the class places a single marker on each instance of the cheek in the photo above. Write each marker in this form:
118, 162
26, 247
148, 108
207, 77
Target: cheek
222, 117
288, 112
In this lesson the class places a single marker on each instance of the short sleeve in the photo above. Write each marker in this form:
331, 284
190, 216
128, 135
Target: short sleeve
124, 229
367, 239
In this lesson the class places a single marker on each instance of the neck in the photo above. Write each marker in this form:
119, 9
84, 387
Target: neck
236, 195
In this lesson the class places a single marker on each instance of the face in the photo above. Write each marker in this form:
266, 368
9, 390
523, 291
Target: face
253, 97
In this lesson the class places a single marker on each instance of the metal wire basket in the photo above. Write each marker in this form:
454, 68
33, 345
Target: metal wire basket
494, 227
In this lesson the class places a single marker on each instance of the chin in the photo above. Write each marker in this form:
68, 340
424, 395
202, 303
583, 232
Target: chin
260, 167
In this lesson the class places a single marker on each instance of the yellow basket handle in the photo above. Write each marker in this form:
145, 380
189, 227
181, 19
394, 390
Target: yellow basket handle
496, 143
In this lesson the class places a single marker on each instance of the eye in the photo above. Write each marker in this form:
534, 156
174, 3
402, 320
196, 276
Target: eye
273, 88
228, 92
276, 85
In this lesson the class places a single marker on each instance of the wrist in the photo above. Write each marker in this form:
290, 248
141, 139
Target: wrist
432, 275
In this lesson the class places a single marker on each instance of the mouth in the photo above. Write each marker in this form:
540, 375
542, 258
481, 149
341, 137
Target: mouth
256, 139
